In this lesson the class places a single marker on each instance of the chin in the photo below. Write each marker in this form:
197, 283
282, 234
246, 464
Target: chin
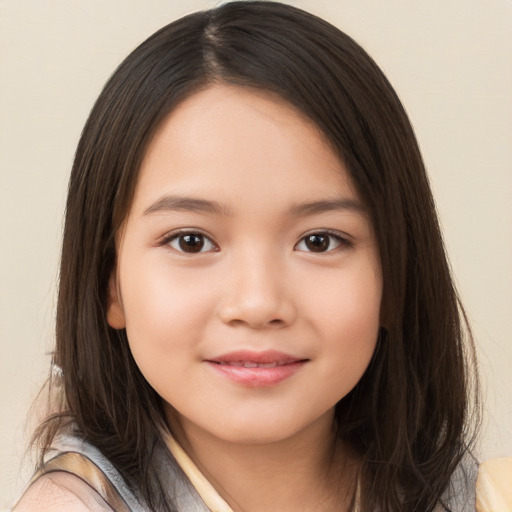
259, 437
253, 431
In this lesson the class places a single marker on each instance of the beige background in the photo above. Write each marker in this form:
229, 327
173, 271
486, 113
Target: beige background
451, 63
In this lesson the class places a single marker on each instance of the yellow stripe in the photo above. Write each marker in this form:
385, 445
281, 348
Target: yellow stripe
79, 465
204, 488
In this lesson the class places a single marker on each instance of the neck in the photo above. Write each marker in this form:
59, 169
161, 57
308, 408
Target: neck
306, 471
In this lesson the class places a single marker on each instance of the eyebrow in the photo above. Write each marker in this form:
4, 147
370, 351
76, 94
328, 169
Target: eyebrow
192, 204
327, 205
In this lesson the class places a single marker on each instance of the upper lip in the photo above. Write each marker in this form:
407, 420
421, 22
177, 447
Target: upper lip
269, 357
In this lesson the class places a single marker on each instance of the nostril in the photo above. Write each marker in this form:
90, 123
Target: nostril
275, 323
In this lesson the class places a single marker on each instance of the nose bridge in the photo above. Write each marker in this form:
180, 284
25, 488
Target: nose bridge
256, 289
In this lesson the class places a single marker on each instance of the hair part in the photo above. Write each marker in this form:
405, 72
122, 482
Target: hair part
409, 416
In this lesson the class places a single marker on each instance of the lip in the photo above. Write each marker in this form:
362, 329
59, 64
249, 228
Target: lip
256, 369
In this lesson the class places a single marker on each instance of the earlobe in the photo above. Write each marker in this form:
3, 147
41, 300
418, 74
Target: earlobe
115, 313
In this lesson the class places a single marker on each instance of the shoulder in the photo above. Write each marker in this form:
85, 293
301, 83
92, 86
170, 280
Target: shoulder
481, 487
75, 476
61, 492
493, 487
460, 495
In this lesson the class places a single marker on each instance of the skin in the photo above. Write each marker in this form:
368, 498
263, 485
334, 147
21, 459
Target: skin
255, 285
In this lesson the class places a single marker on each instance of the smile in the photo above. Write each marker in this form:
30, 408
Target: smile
256, 369
250, 364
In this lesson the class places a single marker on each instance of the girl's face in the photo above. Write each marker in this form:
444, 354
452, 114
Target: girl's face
248, 275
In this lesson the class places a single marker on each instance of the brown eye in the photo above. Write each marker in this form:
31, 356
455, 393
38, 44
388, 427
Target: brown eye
317, 243
191, 243
320, 242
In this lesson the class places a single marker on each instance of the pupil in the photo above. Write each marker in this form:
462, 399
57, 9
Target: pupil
317, 243
191, 243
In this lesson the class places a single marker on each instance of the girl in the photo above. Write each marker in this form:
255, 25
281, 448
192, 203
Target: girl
255, 310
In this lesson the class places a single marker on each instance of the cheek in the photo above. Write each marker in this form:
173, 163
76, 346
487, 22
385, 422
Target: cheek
348, 303
166, 313
347, 319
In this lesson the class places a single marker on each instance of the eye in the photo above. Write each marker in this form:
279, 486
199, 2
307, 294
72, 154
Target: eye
191, 243
321, 242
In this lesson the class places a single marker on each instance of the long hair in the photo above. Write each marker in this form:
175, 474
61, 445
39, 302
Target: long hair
409, 416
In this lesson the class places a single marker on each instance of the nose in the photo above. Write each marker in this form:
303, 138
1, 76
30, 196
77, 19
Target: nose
256, 294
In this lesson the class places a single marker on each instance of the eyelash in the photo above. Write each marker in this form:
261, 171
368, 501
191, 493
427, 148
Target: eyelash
341, 241
175, 236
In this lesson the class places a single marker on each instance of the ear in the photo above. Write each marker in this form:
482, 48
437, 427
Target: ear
115, 312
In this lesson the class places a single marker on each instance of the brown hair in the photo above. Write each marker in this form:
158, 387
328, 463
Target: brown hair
409, 415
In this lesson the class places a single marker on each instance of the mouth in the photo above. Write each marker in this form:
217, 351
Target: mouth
256, 369
251, 364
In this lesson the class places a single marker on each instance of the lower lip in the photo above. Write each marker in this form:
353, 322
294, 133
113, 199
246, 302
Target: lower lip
257, 377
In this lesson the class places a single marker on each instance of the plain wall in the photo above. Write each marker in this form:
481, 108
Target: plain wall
449, 60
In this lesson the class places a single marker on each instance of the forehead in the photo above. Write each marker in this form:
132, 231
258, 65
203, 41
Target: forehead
230, 142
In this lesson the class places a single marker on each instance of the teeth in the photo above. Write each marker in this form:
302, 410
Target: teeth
250, 364
268, 365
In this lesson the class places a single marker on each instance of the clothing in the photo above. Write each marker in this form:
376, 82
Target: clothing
494, 487
191, 490
70, 453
